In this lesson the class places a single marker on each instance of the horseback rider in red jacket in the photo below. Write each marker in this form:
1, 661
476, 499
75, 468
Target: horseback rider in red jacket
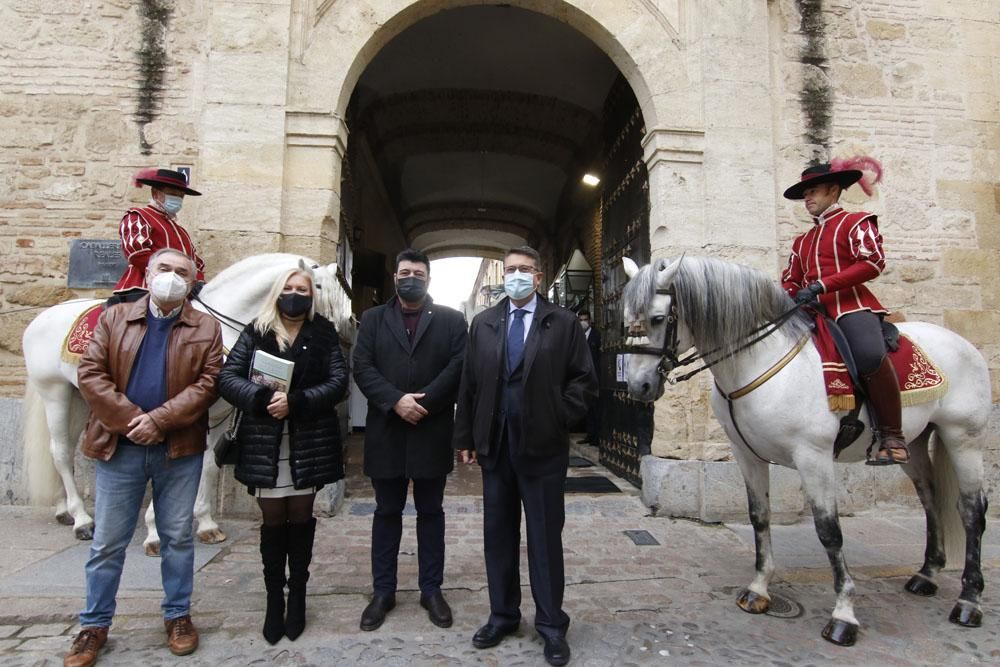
146, 229
831, 263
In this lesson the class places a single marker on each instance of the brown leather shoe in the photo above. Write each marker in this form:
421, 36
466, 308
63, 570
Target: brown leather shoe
83, 652
182, 638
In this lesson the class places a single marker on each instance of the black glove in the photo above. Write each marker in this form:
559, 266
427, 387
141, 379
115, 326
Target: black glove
808, 293
196, 289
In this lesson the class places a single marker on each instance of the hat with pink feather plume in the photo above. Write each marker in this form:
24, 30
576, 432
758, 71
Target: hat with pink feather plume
861, 169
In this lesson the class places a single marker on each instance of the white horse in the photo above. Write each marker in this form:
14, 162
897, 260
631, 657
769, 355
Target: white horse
55, 412
780, 414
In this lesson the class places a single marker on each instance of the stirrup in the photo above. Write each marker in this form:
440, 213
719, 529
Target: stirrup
885, 456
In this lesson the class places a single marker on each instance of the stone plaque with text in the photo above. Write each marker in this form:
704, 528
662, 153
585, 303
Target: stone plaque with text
95, 262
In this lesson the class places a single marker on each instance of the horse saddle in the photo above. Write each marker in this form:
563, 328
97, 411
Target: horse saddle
851, 427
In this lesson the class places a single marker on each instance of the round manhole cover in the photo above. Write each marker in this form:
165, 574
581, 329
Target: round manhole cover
783, 607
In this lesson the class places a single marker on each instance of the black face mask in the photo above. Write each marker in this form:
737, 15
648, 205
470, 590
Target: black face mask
411, 290
293, 304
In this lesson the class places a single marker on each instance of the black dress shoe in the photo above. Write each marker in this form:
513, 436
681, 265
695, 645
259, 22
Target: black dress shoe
489, 636
437, 609
556, 651
374, 614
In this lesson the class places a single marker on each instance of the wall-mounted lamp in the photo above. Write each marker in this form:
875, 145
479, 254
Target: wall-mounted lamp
590, 180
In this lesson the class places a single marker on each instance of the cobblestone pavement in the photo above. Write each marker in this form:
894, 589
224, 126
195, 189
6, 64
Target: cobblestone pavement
669, 603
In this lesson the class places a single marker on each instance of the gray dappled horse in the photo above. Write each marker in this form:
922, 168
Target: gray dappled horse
770, 398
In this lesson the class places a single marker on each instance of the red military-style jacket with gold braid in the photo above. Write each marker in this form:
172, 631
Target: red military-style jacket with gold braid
145, 230
842, 252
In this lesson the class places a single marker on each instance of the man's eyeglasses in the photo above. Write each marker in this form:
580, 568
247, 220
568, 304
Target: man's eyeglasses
524, 268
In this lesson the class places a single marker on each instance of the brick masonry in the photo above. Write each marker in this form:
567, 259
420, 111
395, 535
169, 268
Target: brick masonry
913, 82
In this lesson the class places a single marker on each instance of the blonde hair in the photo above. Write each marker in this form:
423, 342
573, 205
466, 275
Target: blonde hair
269, 318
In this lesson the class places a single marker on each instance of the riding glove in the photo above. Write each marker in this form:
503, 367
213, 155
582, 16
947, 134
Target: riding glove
808, 293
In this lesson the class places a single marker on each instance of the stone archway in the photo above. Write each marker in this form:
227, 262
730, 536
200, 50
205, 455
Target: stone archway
333, 42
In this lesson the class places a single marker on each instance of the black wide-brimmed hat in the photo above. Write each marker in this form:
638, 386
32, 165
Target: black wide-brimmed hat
161, 177
823, 173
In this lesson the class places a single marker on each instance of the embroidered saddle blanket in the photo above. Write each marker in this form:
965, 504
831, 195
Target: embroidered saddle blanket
80, 334
919, 380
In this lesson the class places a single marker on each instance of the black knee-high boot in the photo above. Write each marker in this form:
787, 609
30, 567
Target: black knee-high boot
273, 548
300, 547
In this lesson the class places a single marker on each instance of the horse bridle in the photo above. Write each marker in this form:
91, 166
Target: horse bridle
668, 351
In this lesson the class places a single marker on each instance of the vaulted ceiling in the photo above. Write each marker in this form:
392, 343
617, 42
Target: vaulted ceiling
482, 121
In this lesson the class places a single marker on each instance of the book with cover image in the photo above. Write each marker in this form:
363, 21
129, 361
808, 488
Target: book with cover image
272, 371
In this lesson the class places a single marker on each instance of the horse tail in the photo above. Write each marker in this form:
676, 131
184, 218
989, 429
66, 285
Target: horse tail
946, 491
44, 484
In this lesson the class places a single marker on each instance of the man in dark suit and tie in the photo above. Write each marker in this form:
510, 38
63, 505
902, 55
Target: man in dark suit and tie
407, 361
594, 345
528, 375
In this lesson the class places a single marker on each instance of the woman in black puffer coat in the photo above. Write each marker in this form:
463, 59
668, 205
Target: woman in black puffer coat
289, 443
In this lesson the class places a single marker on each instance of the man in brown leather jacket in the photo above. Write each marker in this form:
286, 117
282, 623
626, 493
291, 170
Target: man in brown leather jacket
149, 378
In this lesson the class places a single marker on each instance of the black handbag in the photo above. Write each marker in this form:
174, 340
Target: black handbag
227, 449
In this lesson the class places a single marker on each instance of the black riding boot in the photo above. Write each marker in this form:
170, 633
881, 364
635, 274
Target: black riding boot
882, 388
300, 547
273, 547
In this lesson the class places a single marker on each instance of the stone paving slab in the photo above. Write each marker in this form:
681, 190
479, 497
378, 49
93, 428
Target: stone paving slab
665, 604
64, 570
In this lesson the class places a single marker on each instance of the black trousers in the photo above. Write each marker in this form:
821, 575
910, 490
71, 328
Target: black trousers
507, 485
387, 531
863, 330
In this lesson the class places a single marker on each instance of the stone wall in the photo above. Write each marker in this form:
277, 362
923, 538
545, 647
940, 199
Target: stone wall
914, 84
71, 136
252, 96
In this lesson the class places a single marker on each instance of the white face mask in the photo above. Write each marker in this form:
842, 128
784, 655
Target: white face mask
172, 203
519, 285
168, 287
585, 325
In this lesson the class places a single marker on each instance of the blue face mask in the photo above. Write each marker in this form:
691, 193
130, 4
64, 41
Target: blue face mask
519, 285
172, 203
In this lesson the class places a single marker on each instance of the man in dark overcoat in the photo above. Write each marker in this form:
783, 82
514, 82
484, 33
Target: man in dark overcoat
408, 363
593, 422
528, 375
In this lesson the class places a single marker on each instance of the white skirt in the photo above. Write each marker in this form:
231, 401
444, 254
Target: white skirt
284, 486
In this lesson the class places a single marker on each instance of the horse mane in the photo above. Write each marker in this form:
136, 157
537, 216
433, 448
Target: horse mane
641, 288
720, 302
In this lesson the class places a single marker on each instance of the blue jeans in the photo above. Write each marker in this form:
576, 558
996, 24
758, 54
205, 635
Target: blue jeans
120, 486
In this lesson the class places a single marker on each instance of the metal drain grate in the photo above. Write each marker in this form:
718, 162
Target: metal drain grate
782, 607
641, 537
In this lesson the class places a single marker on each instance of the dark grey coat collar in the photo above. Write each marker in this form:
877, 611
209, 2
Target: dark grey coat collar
394, 320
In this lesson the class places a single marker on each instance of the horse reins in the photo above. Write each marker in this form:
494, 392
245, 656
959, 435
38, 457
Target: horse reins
668, 353
230, 322
754, 384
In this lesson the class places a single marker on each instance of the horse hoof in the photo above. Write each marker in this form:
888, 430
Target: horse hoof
840, 632
152, 549
65, 518
213, 536
966, 614
919, 585
84, 532
753, 603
